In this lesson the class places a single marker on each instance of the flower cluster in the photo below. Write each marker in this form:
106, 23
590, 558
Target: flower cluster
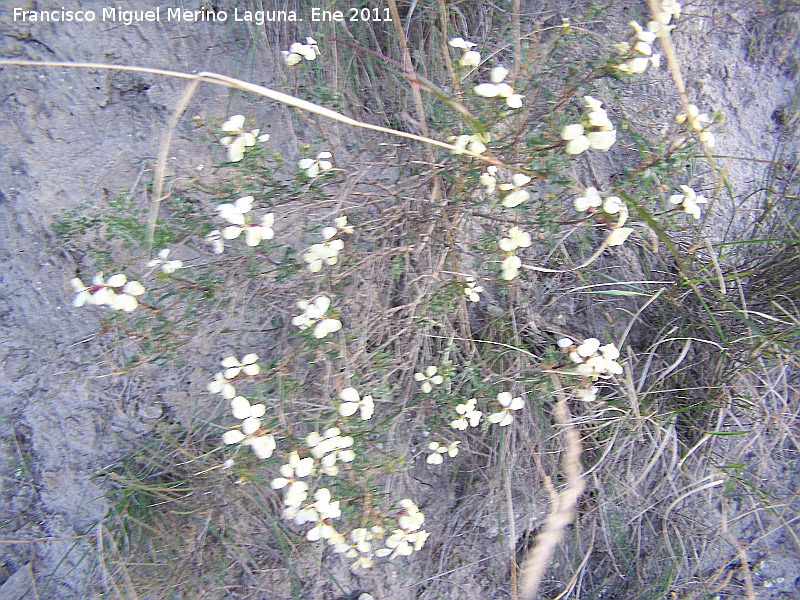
297, 52
499, 89
116, 292
235, 214
237, 139
315, 312
469, 57
437, 452
263, 445
594, 131
360, 545
639, 56
319, 513
689, 201
353, 402
593, 360
329, 448
695, 121
407, 537
475, 143
472, 290
312, 167
327, 252
167, 266
248, 366
468, 415
429, 378
511, 263
612, 205
296, 491
505, 416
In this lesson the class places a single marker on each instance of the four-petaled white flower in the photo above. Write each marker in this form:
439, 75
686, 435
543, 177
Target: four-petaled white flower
518, 195
314, 166
475, 143
472, 291
696, 121
295, 469
316, 313
352, 402
235, 213
516, 239
590, 200
327, 252
220, 385
104, 292
439, 450
595, 131
469, 416
319, 513
297, 52
233, 367
469, 57
329, 448
238, 140
342, 225
429, 378
594, 360
499, 89
689, 201
167, 266
508, 403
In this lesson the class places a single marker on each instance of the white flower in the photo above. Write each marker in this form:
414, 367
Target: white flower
167, 266
469, 416
329, 448
342, 225
617, 237
602, 140
438, 450
352, 402
473, 290
516, 239
489, 179
689, 200
564, 343
595, 361
325, 253
127, 299
429, 378
411, 518
475, 143
510, 267
104, 291
315, 313
233, 367
590, 199
613, 205
517, 195
313, 167
297, 491
242, 409
262, 446
577, 142
235, 214
498, 89
220, 385
297, 52
237, 140
508, 403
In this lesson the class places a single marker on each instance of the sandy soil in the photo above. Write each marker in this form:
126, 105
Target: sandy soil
72, 135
